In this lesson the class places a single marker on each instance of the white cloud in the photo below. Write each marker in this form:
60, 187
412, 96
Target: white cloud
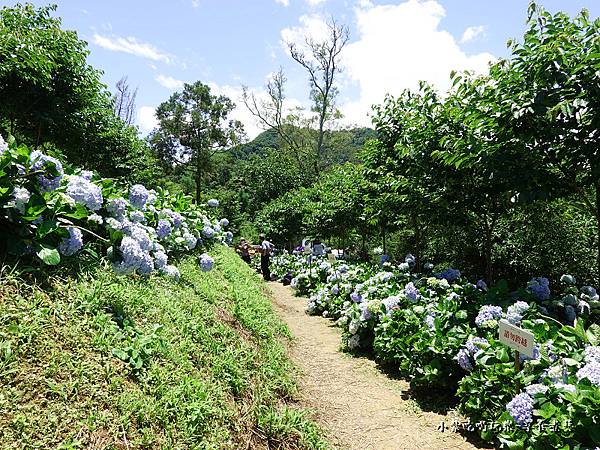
283, 2
146, 119
471, 33
315, 2
398, 45
169, 82
195, 3
310, 25
132, 46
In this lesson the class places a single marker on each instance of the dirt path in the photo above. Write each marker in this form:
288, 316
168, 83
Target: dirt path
359, 406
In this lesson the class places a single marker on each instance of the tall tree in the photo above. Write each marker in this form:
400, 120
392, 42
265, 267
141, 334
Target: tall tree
194, 126
321, 59
124, 105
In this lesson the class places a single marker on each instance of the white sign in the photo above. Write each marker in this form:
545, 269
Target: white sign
515, 337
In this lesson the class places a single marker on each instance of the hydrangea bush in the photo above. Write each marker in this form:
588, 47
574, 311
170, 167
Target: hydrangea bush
52, 212
442, 332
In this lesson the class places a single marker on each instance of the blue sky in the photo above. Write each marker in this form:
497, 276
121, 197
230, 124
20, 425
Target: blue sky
159, 45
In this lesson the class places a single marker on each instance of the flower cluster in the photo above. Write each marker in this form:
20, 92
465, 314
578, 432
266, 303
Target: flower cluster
47, 165
488, 316
540, 288
84, 192
521, 410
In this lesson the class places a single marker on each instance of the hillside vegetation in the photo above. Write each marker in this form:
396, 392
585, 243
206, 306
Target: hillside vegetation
100, 361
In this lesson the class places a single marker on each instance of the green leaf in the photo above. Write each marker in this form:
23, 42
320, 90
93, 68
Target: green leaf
121, 354
593, 334
50, 256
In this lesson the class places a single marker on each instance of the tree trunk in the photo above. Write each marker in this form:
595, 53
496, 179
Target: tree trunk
488, 251
198, 178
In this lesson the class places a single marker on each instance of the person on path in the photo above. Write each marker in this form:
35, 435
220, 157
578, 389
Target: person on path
266, 248
243, 249
318, 249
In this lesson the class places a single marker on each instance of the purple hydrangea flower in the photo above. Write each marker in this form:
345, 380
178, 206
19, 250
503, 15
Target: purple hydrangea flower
84, 192
335, 290
592, 354
356, 297
224, 223
134, 258
411, 292
41, 162
365, 314
138, 196
87, 174
228, 237
521, 410
482, 285
206, 262
163, 229
71, 244
488, 313
410, 259
213, 202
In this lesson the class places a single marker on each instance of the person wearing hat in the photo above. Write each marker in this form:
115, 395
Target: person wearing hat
243, 248
265, 248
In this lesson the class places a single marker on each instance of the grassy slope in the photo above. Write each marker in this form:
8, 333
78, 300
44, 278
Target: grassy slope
108, 362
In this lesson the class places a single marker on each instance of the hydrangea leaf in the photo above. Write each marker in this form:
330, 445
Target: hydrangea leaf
49, 256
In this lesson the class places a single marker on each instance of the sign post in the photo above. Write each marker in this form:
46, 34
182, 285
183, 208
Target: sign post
518, 339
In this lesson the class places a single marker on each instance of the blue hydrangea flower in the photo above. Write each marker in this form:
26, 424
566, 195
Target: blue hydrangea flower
134, 258
87, 174
567, 279
365, 314
514, 313
335, 290
464, 360
592, 354
116, 206
521, 410
590, 292
21, 197
160, 259
141, 236
450, 275
224, 223
482, 285
172, 272
41, 162
213, 202
228, 237
190, 241
411, 292
591, 371
138, 196
137, 216
476, 345
570, 313
163, 229
534, 389
208, 231
72, 244
84, 192
540, 288
430, 321
487, 316
410, 259
206, 262
3, 145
